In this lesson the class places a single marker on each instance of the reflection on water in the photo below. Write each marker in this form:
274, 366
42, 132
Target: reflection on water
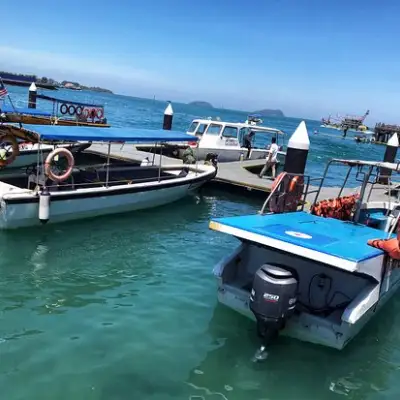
296, 370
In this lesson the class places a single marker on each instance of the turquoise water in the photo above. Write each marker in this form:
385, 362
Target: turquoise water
124, 307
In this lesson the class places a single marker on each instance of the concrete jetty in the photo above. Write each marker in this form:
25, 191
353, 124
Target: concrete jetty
238, 176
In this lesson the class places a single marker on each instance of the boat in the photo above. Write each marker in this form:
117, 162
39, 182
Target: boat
350, 122
365, 137
53, 194
225, 139
28, 152
65, 113
314, 275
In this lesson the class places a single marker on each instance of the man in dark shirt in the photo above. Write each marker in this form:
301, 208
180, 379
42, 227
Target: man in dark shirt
247, 142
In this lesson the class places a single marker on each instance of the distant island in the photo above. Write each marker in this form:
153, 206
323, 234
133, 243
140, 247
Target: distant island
202, 104
78, 86
45, 83
269, 113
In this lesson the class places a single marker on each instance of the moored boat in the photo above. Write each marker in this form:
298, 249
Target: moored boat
317, 276
65, 113
51, 193
226, 139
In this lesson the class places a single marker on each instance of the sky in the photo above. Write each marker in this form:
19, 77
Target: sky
309, 58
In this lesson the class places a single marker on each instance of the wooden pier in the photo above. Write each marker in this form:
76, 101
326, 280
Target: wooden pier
384, 132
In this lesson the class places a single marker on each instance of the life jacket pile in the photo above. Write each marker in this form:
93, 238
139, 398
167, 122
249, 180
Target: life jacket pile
340, 208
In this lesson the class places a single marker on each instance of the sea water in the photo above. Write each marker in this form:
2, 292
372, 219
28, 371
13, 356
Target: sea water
124, 307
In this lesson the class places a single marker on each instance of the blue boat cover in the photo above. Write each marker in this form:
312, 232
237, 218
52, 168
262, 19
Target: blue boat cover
7, 109
326, 235
86, 133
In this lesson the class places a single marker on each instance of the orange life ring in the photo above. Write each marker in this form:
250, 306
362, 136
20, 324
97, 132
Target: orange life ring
288, 192
15, 150
47, 165
100, 113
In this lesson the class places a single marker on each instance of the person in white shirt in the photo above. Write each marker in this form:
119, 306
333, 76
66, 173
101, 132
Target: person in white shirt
271, 159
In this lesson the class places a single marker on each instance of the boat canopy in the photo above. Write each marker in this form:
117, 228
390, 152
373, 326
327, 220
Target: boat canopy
84, 133
7, 109
76, 103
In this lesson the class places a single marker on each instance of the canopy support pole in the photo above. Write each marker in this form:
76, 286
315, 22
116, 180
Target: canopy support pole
154, 154
108, 163
159, 168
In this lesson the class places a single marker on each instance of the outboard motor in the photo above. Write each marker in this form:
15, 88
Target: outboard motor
272, 300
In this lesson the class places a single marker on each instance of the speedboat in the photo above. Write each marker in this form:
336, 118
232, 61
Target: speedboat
225, 140
57, 192
318, 275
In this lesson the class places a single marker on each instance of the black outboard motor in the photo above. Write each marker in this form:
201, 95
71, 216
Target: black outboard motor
272, 300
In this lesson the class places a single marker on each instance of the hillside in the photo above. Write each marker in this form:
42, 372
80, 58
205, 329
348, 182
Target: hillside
269, 113
202, 104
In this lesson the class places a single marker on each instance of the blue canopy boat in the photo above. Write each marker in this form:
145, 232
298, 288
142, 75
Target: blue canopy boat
65, 113
48, 195
318, 276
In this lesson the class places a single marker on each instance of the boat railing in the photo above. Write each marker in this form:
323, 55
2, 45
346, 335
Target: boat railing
290, 193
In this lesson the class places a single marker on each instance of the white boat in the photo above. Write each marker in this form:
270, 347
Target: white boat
312, 275
44, 196
28, 152
226, 140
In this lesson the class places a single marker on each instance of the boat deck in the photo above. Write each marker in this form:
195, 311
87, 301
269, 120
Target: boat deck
331, 241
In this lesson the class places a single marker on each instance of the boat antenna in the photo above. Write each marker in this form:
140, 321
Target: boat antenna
11, 102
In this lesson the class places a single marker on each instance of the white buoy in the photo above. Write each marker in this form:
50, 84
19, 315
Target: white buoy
168, 116
297, 150
44, 205
32, 94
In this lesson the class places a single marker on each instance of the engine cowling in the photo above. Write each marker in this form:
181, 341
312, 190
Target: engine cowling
273, 299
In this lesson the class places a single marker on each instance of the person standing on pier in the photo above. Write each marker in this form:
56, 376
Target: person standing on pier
247, 142
272, 159
345, 131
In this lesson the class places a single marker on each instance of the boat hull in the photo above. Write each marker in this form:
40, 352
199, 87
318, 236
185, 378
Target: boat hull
30, 156
230, 155
38, 120
307, 327
22, 211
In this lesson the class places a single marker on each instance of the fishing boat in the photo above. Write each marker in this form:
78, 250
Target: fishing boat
317, 275
64, 112
57, 193
352, 123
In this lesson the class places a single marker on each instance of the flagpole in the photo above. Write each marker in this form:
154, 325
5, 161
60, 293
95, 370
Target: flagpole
11, 102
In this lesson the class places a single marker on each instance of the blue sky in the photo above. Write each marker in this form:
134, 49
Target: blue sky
306, 57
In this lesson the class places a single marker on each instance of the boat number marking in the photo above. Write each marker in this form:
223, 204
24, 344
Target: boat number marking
299, 235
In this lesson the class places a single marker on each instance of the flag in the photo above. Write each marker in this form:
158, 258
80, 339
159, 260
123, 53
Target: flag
3, 90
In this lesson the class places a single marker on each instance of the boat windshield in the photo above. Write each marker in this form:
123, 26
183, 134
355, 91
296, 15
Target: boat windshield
193, 127
214, 129
230, 132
